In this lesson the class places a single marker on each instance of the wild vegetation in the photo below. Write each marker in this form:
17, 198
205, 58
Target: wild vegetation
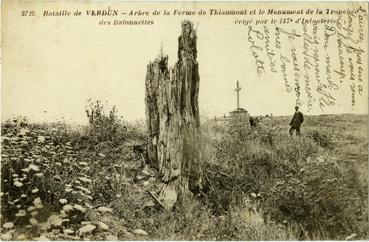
60, 182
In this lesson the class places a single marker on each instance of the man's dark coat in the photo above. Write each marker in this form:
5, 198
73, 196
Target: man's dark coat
297, 119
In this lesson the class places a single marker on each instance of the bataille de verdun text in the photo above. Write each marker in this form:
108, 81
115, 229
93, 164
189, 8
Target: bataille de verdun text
115, 12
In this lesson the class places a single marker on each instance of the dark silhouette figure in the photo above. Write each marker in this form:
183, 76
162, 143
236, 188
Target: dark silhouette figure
252, 121
297, 120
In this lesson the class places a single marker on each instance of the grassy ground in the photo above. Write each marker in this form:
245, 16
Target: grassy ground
63, 183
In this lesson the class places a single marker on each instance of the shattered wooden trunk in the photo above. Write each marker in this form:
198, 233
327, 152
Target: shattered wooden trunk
172, 114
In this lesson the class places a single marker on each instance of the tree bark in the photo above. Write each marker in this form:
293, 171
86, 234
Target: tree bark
172, 115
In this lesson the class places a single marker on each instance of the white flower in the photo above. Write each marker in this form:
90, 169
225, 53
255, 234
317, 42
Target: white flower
87, 229
18, 184
8, 225
21, 213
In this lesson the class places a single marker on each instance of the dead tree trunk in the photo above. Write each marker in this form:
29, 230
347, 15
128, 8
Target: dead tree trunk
172, 115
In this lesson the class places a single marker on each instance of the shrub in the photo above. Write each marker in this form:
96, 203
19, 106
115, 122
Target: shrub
322, 138
103, 127
319, 199
291, 182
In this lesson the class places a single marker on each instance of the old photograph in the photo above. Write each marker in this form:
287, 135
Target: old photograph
184, 120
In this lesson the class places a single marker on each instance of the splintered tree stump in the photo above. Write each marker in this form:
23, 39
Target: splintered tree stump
172, 115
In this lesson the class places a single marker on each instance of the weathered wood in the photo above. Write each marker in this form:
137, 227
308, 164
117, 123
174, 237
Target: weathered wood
172, 115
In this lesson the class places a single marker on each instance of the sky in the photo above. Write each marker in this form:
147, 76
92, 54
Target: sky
53, 65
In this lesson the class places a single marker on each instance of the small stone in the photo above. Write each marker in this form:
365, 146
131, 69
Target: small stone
33, 221
140, 232
149, 204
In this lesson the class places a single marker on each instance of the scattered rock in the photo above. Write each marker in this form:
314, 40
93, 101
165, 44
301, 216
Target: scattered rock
149, 204
33, 221
140, 232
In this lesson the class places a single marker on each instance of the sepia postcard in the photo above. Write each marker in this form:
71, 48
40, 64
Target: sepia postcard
184, 120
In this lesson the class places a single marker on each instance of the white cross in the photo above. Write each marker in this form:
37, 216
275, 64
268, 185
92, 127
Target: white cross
238, 88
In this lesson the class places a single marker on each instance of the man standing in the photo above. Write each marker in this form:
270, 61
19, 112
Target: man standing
296, 121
